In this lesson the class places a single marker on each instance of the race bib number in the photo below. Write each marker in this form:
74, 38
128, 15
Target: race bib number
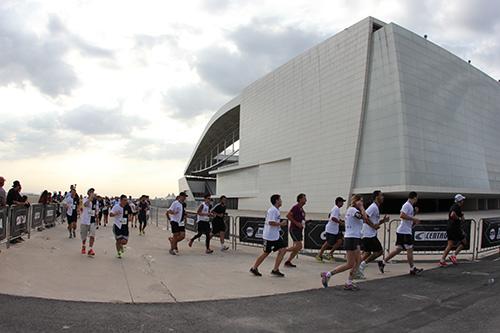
181, 223
124, 220
92, 213
73, 207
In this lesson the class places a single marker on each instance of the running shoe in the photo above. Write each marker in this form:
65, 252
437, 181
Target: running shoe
277, 273
381, 266
190, 244
289, 264
209, 251
70, 235
172, 252
91, 253
442, 263
224, 248
416, 271
255, 271
351, 287
359, 276
324, 279
83, 250
454, 260
119, 255
319, 258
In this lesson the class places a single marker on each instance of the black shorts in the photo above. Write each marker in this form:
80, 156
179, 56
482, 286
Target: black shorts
204, 227
143, 219
404, 240
176, 228
273, 246
120, 233
352, 244
456, 235
72, 218
371, 244
218, 225
332, 239
296, 234
100, 215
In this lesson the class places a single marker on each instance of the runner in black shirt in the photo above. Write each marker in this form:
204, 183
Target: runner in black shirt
218, 225
143, 214
456, 236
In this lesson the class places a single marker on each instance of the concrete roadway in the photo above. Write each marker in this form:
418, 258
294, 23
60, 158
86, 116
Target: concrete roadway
456, 299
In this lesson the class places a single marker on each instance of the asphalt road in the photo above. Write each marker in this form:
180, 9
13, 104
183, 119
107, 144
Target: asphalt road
453, 299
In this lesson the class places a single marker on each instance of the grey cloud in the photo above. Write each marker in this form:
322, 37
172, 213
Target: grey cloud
263, 45
39, 59
91, 120
148, 149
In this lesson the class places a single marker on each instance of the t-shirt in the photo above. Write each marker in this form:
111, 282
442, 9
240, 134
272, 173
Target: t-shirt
132, 207
271, 232
72, 206
455, 224
143, 208
12, 196
353, 223
333, 227
219, 209
299, 215
205, 209
88, 215
119, 219
177, 209
405, 226
374, 215
3, 197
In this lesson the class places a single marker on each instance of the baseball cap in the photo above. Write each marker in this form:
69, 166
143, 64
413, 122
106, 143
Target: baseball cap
459, 198
16, 183
183, 194
338, 199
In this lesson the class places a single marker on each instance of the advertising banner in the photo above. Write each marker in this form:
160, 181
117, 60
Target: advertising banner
431, 235
3, 223
491, 232
36, 216
18, 221
252, 228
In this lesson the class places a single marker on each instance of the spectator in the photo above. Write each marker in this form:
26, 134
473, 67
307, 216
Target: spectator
14, 196
3, 195
44, 198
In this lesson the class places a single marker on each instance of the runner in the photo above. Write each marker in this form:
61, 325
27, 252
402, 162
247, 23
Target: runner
133, 209
297, 218
272, 238
456, 235
71, 203
404, 235
370, 244
105, 211
218, 225
88, 222
176, 215
143, 213
334, 237
120, 225
354, 218
203, 221
100, 202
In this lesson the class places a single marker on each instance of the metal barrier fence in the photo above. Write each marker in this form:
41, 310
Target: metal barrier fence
4, 225
488, 231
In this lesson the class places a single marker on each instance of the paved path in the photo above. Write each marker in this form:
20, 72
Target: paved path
50, 265
456, 299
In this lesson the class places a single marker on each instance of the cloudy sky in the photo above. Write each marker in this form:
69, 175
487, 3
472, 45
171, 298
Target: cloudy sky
115, 94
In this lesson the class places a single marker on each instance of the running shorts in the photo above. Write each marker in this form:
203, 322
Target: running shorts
176, 228
87, 230
120, 233
296, 234
371, 244
218, 226
273, 246
352, 244
331, 239
404, 241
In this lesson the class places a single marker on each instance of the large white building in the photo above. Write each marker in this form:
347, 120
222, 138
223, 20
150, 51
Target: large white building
373, 107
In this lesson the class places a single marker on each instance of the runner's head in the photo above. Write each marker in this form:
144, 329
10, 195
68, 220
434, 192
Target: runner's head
301, 199
123, 200
182, 196
276, 200
223, 199
339, 201
73, 193
356, 201
413, 197
90, 192
2, 181
207, 198
459, 199
378, 197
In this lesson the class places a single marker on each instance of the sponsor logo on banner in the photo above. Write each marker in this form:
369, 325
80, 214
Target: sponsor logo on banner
190, 221
20, 220
260, 232
323, 235
493, 234
37, 215
50, 213
437, 236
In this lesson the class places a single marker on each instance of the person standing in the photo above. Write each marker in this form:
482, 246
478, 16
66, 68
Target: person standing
334, 238
203, 220
218, 225
120, 225
143, 214
88, 222
272, 238
456, 235
71, 204
297, 218
3, 194
370, 244
354, 218
176, 215
404, 234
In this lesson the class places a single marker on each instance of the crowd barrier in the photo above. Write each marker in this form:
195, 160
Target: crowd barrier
488, 231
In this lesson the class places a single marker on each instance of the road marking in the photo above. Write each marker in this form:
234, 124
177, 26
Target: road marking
417, 297
476, 273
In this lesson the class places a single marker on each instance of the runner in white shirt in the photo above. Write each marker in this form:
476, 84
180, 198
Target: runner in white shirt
333, 235
272, 238
354, 218
404, 234
175, 214
203, 222
120, 224
370, 244
71, 205
133, 219
88, 222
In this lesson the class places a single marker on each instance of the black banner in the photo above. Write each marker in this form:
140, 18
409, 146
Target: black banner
191, 224
314, 234
18, 221
50, 214
431, 235
3, 223
252, 228
36, 216
491, 232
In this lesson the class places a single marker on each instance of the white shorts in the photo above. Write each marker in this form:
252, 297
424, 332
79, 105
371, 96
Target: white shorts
87, 230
